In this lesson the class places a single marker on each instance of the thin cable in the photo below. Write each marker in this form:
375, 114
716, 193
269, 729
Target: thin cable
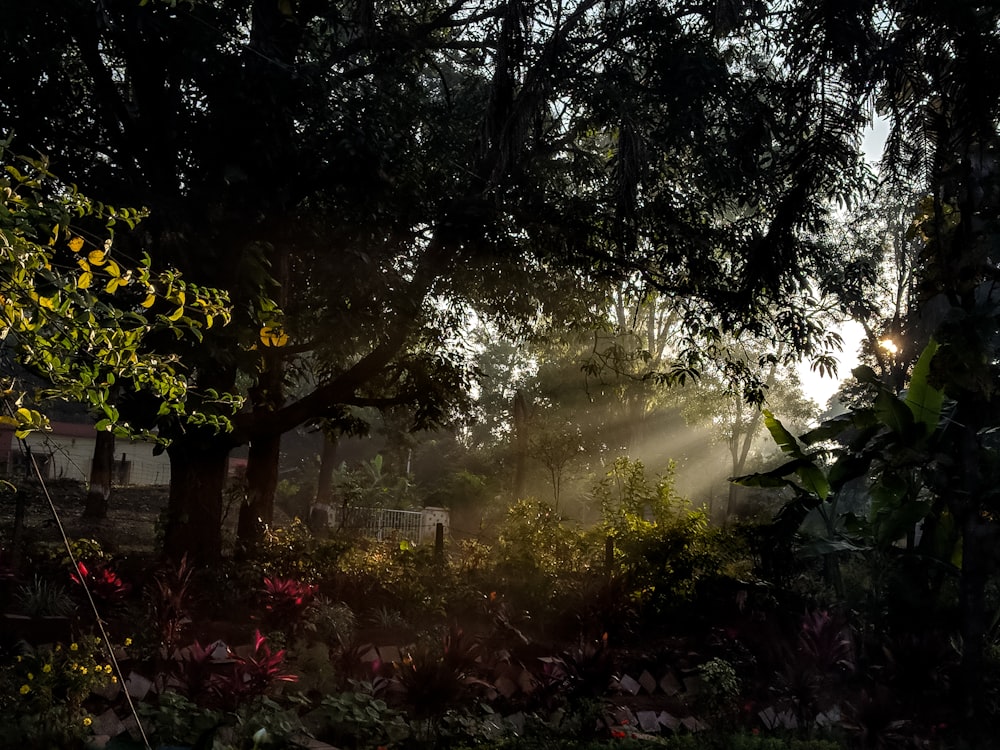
90, 599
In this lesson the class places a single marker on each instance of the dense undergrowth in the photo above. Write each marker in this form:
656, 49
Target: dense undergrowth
546, 635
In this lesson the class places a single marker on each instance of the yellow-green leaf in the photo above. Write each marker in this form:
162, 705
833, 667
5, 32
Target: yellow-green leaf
273, 336
96, 257
76, 244
84, 281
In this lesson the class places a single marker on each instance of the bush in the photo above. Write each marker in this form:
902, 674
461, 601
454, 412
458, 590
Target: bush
663, 546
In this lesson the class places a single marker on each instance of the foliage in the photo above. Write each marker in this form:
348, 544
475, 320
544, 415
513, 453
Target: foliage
44, 689
535, 550
440, 674
51, 559
534, 538
285, 602
329, 622
357, 719
260, 724
664, 547
676, 742
630, 503
102, 581
293, 552
169, 602
76, 313
370, 485
43, 598
720, 686
443, 185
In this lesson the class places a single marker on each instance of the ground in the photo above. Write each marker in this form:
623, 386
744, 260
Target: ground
130, 525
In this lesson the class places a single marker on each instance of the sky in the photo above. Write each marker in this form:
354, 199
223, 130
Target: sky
820, 388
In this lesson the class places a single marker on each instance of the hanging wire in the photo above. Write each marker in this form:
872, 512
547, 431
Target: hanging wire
90, 599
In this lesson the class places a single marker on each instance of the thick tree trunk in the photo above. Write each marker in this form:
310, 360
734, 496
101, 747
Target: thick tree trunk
257, 509
101, 472
194, 509
319, 514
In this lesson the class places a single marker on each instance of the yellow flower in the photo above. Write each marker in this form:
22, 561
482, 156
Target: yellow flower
107, 669
83, 670
74, 666
128, 641
30, 676
114, 680
74, 647
87, 721
47, 668
25, 689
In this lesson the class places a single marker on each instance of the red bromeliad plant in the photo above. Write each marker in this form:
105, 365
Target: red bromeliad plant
254, 674
102, 582
285, 599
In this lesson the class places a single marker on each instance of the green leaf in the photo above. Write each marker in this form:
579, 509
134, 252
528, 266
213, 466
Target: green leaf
893, 413
785, 440
814, 481
760, 480
103, 426
922, 398
832, 429
866, 375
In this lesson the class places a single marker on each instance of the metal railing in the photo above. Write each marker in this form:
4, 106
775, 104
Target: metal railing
382, 523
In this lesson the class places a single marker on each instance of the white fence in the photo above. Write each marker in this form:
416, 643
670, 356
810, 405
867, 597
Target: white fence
416, 526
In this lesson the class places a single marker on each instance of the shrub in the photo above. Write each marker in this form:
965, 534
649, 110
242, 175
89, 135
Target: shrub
664, 547
42, 691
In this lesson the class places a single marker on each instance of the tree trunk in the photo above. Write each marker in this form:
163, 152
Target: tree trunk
101, 472
257, 510
194, 509
520, 444
319, 514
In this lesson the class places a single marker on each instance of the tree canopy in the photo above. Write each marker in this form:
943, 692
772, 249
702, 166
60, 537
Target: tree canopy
362, 178
80, 314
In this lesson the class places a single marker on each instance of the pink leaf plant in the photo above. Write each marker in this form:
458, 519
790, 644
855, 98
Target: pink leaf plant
102, 581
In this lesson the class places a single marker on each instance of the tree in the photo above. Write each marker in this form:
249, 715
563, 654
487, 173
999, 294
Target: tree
737, 422
918, 63
395, 168
73, 310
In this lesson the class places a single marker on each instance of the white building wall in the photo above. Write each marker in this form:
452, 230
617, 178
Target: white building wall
70, 458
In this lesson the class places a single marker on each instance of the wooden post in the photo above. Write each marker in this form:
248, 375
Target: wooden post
439, 542
609, 555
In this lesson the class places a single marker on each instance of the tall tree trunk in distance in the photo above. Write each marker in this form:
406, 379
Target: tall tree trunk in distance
257, 510
101, 471
194, 508
520, 444
319, 514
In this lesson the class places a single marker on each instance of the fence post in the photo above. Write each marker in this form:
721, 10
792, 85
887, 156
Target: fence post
609, 555
439, 542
